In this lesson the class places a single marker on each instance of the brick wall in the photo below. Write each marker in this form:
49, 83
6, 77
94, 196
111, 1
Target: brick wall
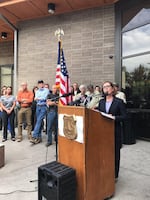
87, 43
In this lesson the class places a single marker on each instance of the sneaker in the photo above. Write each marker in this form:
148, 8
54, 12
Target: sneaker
13, 139
48, 144
19, 140
4, 140
37, 140
32, 140
109, 197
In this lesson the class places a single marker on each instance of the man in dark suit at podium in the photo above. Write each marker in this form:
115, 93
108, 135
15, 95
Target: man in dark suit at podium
115, 107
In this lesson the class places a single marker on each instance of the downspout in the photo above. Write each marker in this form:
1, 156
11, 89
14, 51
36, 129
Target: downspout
15, 62
15, 51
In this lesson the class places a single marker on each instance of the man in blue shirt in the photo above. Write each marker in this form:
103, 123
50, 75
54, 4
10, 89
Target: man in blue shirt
40, 98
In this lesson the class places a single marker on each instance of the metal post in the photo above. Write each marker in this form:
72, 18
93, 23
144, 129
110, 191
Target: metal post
15, 80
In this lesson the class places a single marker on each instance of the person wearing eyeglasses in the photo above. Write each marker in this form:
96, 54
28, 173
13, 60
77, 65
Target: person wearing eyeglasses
24, 98
115, 107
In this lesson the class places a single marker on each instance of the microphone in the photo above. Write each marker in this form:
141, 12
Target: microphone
58, 97
67, 94
105, 94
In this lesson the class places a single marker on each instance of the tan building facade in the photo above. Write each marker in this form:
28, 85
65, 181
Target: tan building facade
88, 45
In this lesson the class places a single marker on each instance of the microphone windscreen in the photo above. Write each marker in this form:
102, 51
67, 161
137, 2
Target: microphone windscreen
67, 94
64, 95
105, 94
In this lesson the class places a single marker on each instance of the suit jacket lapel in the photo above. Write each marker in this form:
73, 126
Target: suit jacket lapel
103, 106
112, 106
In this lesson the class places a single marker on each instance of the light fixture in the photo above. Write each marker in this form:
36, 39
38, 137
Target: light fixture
3, 35
51, 8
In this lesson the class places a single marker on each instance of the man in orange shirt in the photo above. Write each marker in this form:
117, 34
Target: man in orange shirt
24, 98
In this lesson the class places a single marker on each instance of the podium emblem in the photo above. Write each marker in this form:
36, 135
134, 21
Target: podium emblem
70, 129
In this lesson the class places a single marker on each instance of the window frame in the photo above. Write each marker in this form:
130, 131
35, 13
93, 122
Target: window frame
11, 66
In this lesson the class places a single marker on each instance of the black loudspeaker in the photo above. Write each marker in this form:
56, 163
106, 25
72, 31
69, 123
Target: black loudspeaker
56, 182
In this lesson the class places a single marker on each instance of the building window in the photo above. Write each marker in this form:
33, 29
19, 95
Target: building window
6, 74
136, 61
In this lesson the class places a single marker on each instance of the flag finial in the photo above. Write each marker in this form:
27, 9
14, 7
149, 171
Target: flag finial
59, 33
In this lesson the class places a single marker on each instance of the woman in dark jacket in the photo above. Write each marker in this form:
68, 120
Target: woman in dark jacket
115, 107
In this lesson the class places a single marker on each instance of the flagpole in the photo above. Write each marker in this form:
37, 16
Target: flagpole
59, 33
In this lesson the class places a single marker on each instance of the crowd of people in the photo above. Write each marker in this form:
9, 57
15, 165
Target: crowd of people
41, 104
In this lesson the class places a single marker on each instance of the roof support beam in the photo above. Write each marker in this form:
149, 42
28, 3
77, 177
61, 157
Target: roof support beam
8, 22
8, 3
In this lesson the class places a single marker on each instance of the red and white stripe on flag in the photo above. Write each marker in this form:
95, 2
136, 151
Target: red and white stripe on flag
62, 77
57, 82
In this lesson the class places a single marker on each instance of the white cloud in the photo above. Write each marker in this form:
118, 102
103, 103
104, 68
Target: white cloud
135, 62
136, 41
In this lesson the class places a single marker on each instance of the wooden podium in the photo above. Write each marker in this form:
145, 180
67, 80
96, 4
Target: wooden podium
93, 159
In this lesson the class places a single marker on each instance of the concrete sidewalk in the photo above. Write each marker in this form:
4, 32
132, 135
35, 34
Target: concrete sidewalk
134, 180
18, 178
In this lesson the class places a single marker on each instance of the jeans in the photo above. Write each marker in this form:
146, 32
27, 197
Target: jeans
0, 120
52, 120
5, 117
40, 114
9, 127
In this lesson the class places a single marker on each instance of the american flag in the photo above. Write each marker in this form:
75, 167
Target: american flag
63, 77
